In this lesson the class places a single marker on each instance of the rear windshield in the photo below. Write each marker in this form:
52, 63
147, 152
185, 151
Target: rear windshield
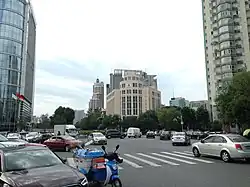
238, 139
179, 134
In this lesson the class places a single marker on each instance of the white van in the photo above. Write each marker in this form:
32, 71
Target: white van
133, 132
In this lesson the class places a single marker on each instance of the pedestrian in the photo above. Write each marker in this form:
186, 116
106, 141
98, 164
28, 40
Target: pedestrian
58, 133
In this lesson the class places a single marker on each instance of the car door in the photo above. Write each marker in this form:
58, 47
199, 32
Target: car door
51, 142
60, 143
205, 145
218, 143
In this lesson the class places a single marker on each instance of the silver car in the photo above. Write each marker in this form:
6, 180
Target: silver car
180, 138
225, 146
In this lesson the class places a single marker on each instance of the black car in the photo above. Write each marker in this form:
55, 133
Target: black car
36, 166
113, 133
150, 134
165, 135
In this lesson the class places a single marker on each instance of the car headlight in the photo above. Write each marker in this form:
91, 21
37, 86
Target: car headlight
6, 185
114, 167
95, 139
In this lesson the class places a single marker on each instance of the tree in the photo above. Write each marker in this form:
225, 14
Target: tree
148, 120
233, 102
188, 117
202, 116
170, 118
45, 122
62, 115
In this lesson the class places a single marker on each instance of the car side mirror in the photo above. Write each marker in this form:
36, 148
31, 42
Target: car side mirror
202, 141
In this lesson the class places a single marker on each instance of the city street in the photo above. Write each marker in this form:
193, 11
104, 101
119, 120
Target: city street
151, 162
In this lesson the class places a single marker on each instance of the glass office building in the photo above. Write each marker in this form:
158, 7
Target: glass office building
17, 58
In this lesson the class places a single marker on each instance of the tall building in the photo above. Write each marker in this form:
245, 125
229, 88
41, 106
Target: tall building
97, 100
79, 115
226, 41
178, 102
17, 60
197, 104
137, 92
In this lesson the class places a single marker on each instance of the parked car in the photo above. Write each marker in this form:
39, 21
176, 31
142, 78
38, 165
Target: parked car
225, 146
36, 166
14, 136
150, 134
165, 135
61, 142
180, 138
32, 136
113, 133
98, 138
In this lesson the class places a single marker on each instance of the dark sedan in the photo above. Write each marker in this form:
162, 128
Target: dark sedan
150, 134
165, 135
31, 166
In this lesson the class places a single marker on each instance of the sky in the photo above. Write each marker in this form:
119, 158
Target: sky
81, 40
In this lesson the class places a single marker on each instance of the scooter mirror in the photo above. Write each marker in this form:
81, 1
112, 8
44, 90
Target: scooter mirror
117, 147
103, 148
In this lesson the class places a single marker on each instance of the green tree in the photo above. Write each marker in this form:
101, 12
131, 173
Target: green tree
188, 117
148, 120
233, 102
45, 122
203, 120
170, 118
129, 121
62, 115
216, 126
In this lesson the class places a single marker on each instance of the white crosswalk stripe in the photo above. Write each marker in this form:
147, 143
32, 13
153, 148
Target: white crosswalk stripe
196, 159
158, 159
173, 158
131, 163
143, 160
187, 154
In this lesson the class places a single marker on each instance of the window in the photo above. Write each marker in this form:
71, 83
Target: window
133, 78
129, 105
140, 91
140, 85
123, 85
134, 84
140, 105
135, 105
123, 106
123, 92
219, 139
128, 91
235, 138
209, 139
134, 91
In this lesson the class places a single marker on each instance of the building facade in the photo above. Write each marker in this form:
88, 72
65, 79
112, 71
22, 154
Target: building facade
226, 41
197, 104
17, 57
136, 94
79, 115
178, 102
97, 100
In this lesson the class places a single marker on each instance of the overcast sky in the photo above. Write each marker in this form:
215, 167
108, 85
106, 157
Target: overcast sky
80, 40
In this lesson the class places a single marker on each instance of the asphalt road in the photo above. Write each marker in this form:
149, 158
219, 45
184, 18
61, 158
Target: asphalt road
152, 162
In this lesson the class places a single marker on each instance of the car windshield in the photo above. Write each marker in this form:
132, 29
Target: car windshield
12, 135
98, 135
179, 134
21, 160
238, 139
3, 139
32, 134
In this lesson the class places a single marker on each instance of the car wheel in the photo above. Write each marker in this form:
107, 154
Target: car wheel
67, 148
225, 156
196, 152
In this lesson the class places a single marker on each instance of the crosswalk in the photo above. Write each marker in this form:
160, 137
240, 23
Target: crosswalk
159, 159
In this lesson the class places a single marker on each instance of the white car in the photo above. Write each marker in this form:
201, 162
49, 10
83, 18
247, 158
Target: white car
32, 135
4, 142
180, 138
14, 136
97, 138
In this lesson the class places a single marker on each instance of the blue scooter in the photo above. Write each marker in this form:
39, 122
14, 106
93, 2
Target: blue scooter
112, 175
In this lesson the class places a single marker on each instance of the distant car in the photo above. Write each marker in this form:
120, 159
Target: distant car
150, 134
134, 132
36, 166
14, 136
61, 143
32, 136
98, 138
113, 133
165, 135
180, 138
225, 146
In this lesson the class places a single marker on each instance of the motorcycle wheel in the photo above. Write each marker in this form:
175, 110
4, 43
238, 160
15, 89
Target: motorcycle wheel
116, 183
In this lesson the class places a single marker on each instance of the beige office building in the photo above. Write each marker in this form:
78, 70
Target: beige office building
226, 43
138, 93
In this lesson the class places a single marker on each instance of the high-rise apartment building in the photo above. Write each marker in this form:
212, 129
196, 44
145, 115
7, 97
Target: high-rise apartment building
17, 60
137, 92
178, 102
97, 100
226, 42
79, 115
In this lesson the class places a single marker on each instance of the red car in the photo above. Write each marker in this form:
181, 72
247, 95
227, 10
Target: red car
61, 142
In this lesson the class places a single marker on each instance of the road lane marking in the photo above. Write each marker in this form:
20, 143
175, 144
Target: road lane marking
190, 158
187, 154
119, 167
158, 159
131, 163
177, 159
142, 160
